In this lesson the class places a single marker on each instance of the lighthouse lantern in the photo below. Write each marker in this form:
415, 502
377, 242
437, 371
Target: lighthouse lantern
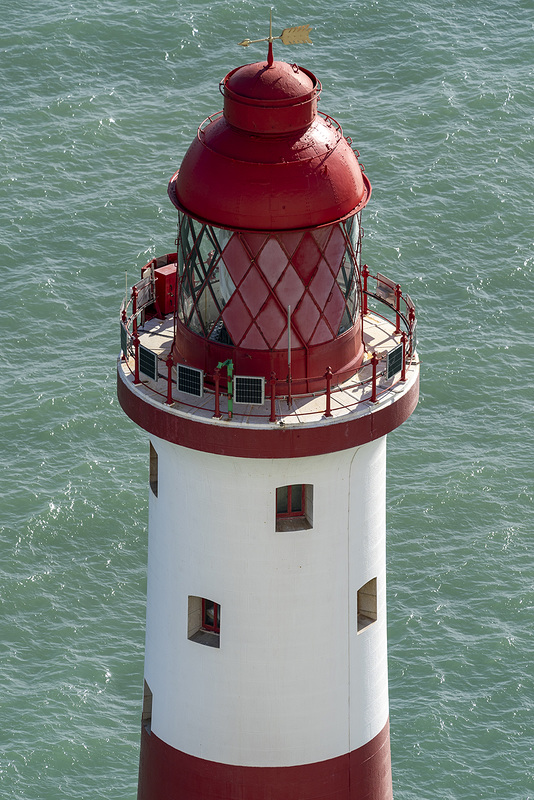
267, 365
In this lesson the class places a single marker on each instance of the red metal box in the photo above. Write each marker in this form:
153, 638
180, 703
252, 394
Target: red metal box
166, 288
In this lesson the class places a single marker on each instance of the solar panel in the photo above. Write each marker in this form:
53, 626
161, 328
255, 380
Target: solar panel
189, 380
148, 362
145, 292
385, 288
249, 390
414, 338
394, 360
124, 339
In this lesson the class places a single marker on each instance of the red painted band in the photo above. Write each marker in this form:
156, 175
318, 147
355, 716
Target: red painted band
290, 441
169, 774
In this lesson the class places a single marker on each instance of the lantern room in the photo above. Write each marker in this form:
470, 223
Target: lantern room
269, 198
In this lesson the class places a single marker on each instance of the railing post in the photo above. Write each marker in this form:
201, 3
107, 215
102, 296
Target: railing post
124, 320
403, 372
374, 362
230, 387
136, 357
272, 383
169, 401
398, 295
134, 309
217, 376
365, 275
328, 376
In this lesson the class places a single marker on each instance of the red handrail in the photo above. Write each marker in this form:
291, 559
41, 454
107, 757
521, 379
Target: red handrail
407, 319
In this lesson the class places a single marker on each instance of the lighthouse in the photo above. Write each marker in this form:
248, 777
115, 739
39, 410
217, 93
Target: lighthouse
267, 363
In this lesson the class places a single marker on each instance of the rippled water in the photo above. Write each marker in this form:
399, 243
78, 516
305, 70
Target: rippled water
99, 102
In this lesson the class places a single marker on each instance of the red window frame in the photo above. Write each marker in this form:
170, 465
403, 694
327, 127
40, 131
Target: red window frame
294, 491
207, 624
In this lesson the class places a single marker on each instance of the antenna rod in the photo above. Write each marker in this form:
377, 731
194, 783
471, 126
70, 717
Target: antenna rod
270, 57
289, 356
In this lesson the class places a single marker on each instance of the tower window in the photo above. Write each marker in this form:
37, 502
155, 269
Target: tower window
146, 717
367, 604
204, 621
153, 470
294, 507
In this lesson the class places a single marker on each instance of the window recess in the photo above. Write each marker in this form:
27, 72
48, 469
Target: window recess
294, 507
204, 621
146, 717
153, 470
367, 605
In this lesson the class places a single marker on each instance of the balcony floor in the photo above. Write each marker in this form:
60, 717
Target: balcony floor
351, 398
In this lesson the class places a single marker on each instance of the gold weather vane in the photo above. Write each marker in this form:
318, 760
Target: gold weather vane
300, 34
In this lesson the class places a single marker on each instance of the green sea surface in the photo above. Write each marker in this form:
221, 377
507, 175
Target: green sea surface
99, 102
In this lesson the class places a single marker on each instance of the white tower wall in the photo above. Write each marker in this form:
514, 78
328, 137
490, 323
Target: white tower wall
293, 681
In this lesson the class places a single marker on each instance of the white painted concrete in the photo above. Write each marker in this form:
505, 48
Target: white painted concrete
293, 681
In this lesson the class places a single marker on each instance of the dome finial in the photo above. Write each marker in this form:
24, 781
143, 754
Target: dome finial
296, 35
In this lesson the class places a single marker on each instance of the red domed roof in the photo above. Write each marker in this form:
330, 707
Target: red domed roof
278, 82
270, 161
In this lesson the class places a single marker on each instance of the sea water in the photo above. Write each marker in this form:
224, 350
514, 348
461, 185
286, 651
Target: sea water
99, 102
